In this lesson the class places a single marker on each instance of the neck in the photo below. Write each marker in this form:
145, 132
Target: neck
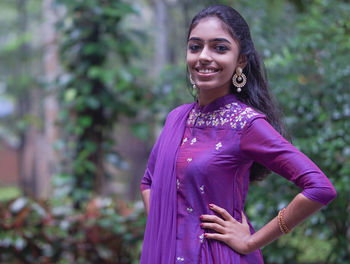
205, 97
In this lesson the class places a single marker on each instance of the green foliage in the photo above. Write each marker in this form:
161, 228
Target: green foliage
9, 192
103, 232
98, 86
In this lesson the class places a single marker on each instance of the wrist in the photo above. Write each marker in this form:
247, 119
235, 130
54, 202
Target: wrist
251, 244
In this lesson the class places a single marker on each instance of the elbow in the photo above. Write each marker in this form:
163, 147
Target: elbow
332, 194
323, 195
328, 195
144, 187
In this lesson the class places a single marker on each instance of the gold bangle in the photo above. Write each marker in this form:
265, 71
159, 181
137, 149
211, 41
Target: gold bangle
283, 227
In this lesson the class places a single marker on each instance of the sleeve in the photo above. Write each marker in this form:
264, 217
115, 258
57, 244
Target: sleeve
263, 144
146, 181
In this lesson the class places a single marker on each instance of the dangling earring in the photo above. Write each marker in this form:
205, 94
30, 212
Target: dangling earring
239, 79
194, 86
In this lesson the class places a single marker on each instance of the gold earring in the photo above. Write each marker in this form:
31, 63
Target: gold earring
239, 79
194, 86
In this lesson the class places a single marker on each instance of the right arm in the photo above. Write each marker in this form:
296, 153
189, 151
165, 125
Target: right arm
146, 182
145, 197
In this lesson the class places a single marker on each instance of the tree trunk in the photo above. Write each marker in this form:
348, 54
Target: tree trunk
51, 108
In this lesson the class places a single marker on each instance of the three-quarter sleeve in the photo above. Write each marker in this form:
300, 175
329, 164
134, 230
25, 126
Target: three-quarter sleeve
261, 143
146, 181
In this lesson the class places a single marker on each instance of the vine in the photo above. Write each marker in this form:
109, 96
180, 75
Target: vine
97, 86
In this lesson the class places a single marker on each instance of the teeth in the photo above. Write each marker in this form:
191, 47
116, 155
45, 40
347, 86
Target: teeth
206, 71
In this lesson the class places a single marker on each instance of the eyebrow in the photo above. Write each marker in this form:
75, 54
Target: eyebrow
212, 40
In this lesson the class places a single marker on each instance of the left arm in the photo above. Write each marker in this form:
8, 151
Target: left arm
299, 209
263, 144
237, 235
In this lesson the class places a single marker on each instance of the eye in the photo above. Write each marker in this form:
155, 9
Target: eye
194, 47
221, 48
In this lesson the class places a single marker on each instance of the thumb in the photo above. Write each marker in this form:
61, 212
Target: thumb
244, 219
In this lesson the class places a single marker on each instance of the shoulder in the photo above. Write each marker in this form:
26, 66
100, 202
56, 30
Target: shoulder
245, 114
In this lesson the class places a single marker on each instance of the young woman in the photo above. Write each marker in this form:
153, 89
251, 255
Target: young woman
198, 173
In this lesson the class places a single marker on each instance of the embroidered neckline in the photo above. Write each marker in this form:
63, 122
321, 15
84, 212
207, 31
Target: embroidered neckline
234, 115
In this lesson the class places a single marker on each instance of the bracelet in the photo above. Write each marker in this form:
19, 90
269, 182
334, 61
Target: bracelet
283, 227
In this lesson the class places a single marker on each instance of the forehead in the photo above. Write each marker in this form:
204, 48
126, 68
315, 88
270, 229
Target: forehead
210, 28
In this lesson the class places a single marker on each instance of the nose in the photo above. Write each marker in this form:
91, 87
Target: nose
204, 56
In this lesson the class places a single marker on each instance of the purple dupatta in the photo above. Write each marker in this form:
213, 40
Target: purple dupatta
159, 245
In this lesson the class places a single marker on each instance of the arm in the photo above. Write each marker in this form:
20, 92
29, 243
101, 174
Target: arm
145, 197
146, 182
297, 211
237, 235
261, 143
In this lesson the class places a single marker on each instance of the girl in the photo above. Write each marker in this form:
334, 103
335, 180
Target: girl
199, 170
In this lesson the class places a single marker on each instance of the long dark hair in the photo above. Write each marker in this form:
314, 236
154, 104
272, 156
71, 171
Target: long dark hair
256, 92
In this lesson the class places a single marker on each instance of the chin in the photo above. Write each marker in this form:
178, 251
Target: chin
208, 86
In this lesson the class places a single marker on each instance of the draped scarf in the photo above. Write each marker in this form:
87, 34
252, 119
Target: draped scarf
159, 245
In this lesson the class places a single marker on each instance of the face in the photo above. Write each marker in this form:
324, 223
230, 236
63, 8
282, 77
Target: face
212, 55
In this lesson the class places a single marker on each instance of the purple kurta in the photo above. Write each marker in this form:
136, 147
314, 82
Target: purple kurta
210, 164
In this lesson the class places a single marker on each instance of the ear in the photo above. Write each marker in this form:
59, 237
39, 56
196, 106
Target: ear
242, 61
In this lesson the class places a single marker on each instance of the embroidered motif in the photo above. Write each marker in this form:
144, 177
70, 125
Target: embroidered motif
189, 160
184, 141
217, 146
194, 140
201, 238
202, 189
233, 115
189, 209
180, 259
177, 184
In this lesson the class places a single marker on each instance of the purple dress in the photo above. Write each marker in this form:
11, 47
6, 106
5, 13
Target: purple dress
215, 148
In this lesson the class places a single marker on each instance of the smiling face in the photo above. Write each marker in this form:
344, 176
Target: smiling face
212, 56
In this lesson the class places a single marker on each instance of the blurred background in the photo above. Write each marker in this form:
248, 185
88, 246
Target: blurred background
85, 87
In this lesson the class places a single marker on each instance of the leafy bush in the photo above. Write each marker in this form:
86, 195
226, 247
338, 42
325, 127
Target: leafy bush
103, 232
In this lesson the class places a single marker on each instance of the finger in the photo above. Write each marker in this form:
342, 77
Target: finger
215, 236
213, 226
221, 211
244, 219
212, 218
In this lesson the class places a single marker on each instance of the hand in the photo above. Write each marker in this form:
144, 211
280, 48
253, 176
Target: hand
235, 234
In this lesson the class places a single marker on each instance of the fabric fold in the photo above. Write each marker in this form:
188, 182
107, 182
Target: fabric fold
160, 235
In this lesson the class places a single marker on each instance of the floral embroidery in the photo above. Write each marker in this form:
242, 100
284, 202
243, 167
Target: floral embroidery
189, 209
194, 140
180, 259
189, 160
201, 237
200, 122
234, 115
217, 146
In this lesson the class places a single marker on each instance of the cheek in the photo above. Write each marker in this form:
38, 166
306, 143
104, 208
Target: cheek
230, 65
190, 60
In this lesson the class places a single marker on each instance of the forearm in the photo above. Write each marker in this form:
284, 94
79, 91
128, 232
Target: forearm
297, 211
145, 197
